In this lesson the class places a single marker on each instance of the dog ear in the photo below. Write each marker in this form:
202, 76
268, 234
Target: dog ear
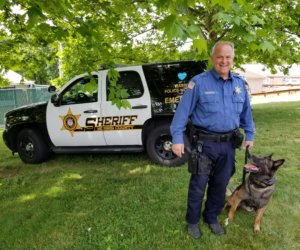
270, 156
277, 164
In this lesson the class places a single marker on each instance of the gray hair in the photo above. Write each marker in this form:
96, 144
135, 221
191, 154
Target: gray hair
222, 43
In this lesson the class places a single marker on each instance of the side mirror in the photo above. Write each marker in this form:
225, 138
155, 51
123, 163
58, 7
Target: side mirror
55, 100
51, 89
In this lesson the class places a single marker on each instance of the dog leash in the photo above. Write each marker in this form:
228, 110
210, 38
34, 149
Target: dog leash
247, 156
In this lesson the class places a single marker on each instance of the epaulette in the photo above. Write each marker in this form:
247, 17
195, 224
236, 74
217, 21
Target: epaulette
238, 75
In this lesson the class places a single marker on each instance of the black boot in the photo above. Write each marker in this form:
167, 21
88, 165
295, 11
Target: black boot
216, 228
194, 231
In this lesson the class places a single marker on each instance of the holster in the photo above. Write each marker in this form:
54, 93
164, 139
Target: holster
198, 162
238, 138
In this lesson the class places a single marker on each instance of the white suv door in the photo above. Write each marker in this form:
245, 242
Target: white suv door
124, 126
72, 122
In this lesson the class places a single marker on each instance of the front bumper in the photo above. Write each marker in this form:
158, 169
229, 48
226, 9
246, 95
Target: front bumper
6, 140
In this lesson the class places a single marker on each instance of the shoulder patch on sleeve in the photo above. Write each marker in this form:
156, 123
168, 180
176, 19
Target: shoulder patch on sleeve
190, 85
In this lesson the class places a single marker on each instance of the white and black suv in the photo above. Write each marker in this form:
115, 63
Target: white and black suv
80, 118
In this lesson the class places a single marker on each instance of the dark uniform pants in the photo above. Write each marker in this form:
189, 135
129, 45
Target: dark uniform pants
222, 154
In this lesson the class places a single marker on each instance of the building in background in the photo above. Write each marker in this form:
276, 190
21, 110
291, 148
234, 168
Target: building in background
17, 80
260, 79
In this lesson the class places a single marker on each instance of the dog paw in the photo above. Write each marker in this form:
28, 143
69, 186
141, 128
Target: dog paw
256, 229
226, 222
247, 208
228, 192
230, 217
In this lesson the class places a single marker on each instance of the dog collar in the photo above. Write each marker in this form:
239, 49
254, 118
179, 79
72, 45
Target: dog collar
265, 183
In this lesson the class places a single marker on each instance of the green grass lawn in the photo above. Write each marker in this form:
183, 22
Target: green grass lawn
123, 201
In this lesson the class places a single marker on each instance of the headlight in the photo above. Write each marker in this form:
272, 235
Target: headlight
5, 122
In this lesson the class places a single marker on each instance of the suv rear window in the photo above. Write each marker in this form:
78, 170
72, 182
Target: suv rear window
131, 81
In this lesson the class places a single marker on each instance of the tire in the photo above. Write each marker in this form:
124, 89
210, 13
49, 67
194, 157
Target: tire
32, 147
158, 145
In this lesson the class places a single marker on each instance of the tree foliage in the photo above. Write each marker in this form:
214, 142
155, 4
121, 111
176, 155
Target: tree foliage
4, 82
78, 36
263, 31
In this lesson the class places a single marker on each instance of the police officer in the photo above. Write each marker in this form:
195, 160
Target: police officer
217, 103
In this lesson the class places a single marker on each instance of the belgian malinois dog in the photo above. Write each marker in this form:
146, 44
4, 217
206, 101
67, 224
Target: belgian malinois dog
256, 190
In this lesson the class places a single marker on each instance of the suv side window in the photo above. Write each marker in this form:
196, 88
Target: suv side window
83, 90
131, 81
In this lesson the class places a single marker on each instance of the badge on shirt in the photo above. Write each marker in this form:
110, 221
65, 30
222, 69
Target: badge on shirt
191, 85
237, 90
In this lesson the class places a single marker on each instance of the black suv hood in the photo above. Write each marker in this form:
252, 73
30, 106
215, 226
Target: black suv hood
30, 113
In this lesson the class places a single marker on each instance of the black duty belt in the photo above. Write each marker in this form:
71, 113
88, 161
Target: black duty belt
216, 137
203, 135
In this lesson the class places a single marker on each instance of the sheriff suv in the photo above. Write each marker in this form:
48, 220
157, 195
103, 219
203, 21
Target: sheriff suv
80, 118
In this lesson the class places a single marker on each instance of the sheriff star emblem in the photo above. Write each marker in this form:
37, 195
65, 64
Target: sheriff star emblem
70, 122
237, 90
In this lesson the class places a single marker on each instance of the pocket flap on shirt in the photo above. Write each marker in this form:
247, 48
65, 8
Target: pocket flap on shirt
212, 98
238, 98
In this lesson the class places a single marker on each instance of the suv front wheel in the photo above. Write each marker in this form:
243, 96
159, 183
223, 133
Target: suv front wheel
159, 143
31, 146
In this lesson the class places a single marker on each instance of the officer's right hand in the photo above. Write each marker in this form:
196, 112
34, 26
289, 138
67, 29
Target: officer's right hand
178, 149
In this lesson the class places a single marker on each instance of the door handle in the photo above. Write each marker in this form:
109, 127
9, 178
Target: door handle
91, 111
140, 107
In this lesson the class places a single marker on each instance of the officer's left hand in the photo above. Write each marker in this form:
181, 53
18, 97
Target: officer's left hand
248, 144
178, 149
